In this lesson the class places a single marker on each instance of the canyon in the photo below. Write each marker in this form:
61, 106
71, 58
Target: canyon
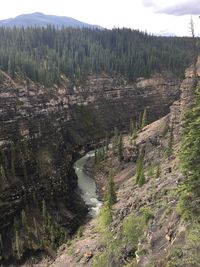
147, 227
43, 131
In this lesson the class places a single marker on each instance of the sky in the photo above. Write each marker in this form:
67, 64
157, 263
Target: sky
165, 17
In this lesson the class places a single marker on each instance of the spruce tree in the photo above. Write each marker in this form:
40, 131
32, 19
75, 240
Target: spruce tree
110, 194
190, 159
144, 119
139, 166
140, 176
158, 171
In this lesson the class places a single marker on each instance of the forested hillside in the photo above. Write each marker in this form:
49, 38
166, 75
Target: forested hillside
43, 54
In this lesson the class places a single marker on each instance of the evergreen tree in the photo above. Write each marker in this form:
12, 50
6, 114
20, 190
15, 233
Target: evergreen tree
158, 171
144, 119
141, 180
190, 159
46, 54
140, 176
110, 194
139, 166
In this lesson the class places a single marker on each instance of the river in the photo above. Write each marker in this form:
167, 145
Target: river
87, 185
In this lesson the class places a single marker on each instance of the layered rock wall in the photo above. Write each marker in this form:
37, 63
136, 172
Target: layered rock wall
41, 131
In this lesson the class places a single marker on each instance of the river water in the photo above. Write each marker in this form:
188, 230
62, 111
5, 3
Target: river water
87, 185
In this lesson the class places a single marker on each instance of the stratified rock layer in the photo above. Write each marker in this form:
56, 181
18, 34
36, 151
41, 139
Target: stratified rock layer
41, 131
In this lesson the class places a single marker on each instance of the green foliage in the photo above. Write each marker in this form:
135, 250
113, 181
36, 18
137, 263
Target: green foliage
144, 119
193, 235
190, 155
45, 54
79, 232
150, 171
104, 220
140, 176
100, 154
158, 171
110, 196
175, 257
133, 129
114, 242
101, 260
133, 229
165, 130
147, 214
188, 253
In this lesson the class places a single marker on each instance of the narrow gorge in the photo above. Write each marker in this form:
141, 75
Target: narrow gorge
43, 130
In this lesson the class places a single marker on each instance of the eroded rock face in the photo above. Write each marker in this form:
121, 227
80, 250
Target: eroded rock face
187, 96
41, 131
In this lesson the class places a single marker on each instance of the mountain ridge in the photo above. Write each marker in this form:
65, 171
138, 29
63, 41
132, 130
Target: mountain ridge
42, 20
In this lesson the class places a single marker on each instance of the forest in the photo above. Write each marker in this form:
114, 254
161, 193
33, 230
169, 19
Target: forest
45, 54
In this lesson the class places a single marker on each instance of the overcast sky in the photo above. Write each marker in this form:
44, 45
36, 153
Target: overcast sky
153, 16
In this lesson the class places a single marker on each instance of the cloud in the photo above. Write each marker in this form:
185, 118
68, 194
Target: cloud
188, 7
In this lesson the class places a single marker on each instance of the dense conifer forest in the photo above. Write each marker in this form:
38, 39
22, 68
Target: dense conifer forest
43, 54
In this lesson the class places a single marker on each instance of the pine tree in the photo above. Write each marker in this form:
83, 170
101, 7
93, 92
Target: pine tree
110, 194
158, 171
190, 155
139, 166
144, 119
140, 176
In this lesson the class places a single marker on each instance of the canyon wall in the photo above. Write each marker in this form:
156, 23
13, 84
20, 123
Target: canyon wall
41, 133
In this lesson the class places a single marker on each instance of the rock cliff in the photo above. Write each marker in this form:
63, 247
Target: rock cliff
146, 227
41, 133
